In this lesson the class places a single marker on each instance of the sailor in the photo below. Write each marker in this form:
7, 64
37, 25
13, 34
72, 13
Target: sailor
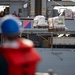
17, 55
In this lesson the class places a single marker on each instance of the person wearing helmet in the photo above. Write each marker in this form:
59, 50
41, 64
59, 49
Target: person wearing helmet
17, 55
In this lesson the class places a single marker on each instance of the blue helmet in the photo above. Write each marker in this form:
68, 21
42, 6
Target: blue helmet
10, 25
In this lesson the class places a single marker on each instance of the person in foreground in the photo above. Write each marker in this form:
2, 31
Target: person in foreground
17, 55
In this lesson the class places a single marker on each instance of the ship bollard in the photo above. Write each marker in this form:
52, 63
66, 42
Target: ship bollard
50, 71
54, 74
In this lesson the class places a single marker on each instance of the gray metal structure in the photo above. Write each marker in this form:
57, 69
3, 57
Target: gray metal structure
61, 61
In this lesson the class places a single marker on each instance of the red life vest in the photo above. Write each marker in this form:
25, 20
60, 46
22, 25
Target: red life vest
21, 57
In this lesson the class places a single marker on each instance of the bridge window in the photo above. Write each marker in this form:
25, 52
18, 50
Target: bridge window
4, 10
